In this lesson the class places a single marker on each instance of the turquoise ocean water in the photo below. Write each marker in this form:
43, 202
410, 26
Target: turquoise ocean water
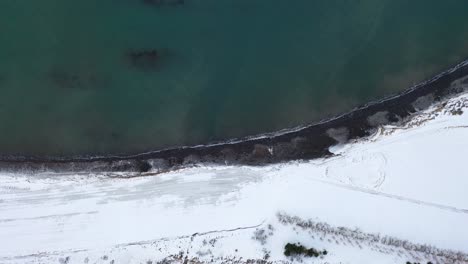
126, 76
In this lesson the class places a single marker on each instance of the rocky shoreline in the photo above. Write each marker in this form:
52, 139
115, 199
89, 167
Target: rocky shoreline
309, 142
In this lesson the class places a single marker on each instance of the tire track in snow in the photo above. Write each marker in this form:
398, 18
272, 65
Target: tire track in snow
55, 216
394, 196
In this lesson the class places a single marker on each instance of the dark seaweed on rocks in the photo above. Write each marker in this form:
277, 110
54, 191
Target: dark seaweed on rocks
310, 142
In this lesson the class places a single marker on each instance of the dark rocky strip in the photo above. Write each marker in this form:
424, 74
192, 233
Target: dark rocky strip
309, 142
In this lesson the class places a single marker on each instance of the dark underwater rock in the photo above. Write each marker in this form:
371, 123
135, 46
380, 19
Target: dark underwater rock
145, 59
76, 80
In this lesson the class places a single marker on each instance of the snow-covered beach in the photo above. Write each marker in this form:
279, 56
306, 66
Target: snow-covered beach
397, 196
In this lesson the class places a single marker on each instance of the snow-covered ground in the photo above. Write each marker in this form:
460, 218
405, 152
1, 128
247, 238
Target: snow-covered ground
398, 196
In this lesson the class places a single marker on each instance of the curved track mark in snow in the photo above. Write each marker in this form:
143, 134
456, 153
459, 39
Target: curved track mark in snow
371, 167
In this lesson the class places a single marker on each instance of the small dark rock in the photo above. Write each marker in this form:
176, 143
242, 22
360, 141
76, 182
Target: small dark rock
143, 166
261, 151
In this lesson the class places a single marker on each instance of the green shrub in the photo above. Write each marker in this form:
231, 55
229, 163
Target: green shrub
298, 249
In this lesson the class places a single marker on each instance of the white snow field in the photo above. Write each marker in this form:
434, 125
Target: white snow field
401, 195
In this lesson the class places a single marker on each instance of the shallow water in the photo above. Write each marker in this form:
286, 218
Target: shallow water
222, 68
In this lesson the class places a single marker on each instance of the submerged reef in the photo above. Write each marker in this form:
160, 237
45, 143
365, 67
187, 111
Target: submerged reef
146, 59
63, 79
